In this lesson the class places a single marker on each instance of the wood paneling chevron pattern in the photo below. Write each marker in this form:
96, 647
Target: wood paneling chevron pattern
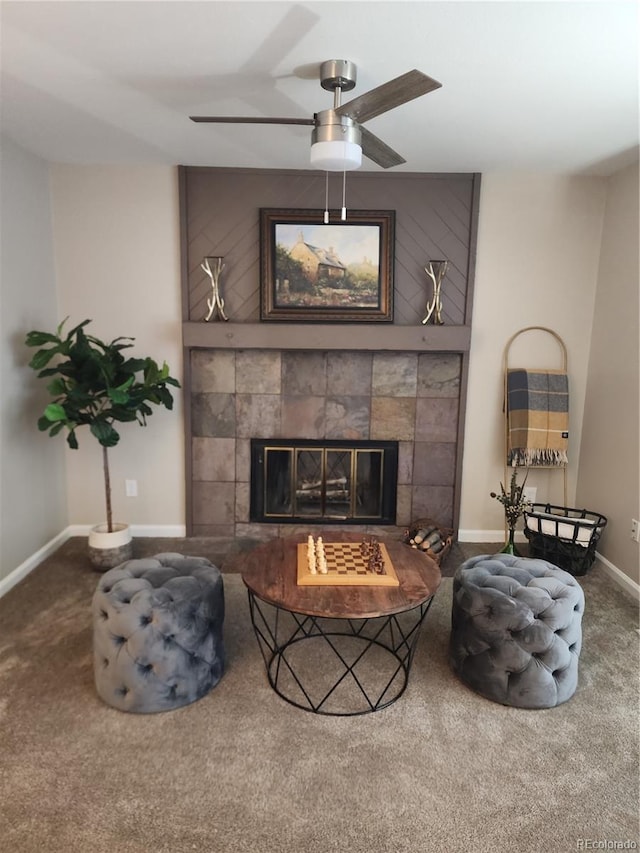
435, 219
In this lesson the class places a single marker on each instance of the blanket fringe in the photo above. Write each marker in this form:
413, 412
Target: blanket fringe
522, 457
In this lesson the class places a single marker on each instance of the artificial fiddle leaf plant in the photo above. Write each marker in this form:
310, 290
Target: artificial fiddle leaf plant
92, 383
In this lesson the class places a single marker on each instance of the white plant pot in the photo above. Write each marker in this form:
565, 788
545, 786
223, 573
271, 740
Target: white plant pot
107, 550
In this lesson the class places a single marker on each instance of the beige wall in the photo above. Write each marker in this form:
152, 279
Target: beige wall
116, 238
538, 247
537, 264
33, 507
609, 475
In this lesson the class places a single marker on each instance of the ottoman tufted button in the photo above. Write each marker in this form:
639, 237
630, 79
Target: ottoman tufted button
153, 651
516, 630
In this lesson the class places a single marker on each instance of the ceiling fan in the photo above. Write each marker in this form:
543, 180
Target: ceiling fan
338, 139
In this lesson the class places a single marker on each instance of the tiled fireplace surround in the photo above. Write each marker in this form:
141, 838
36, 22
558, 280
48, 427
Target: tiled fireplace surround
248, 379
239, 394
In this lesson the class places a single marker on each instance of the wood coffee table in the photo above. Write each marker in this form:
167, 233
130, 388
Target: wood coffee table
342, 649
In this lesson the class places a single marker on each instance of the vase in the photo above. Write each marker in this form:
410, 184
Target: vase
213, 267
109, 549
510, 545
436, 272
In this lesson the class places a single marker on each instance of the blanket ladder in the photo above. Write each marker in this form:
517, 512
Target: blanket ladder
505, 359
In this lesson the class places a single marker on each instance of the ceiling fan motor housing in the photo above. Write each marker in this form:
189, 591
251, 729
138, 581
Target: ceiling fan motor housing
336, 143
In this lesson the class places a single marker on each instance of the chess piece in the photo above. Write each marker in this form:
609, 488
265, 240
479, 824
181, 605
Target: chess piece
322, 559
311, 556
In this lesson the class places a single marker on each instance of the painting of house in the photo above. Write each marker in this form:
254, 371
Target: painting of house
321, 264
318, 263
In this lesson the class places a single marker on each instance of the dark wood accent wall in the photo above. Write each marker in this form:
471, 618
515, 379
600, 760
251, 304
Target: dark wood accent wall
436, 218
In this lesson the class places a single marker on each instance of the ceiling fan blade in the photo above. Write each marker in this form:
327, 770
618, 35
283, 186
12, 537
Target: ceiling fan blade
251, 120
398, 91
376, 150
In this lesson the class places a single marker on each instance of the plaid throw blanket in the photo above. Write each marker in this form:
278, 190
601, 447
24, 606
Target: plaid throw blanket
537, 417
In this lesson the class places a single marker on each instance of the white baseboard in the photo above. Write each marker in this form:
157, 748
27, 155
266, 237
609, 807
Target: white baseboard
619, 577
161, 531
32, 562
487, 536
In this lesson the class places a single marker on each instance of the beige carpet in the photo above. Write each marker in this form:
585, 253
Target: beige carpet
241, 770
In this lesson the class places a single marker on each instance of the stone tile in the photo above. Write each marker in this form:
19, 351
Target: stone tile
439, 374
213, 459
347, 417
258, 372
394, 374
243, 460
214, 531
384, 531
404, 506
242, 503
213, 371
261, 532
349, 373
213, 415
393, 418
304, 373
302, 417
435, 502
436, 419
405, 462
257, 415
214, 503
434, 464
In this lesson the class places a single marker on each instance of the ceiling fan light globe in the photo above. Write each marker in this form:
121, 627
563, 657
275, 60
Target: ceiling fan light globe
336, 155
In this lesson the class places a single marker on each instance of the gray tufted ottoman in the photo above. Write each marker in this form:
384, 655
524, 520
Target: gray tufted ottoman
157, 632
516, 630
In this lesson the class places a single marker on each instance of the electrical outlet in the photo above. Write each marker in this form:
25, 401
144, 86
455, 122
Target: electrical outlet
131, 488
529, 493
635, 530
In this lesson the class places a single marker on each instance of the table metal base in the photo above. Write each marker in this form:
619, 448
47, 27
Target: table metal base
335, 666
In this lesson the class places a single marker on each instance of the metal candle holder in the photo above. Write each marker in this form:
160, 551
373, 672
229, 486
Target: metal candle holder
213, 267
436, 270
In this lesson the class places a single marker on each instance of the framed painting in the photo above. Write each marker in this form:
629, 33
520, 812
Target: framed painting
336, 272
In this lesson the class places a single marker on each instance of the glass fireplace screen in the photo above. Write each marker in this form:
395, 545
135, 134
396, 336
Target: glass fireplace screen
323, 481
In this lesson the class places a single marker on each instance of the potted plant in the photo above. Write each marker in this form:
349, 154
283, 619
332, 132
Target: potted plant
92, 383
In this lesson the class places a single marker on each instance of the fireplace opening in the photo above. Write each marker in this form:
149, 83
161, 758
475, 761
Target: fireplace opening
323, 481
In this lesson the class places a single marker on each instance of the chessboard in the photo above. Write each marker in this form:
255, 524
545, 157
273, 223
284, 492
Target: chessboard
346, 566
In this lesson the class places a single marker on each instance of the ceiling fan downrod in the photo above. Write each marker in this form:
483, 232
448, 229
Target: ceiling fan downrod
337, 76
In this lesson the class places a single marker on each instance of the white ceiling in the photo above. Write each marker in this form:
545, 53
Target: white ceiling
530, 86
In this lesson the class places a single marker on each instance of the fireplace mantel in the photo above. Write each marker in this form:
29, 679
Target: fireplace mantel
308, 336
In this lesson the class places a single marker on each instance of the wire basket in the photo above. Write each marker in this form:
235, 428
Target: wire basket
563, 536
434, 541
